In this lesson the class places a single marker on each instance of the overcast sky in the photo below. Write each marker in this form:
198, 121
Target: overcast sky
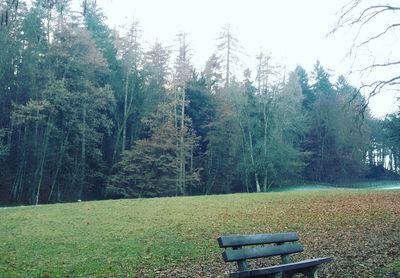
293, 31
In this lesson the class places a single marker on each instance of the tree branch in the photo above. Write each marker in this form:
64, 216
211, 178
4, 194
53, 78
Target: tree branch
379, 65
379, 35
379, 84
361, 16
382, 8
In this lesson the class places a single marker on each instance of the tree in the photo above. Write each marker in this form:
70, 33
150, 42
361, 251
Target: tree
228, 49
286, 158
221, 160
70, 114
156, 74
130, 98
132, 58
27, 76
201, 109
183, 71
337, 139
375, 25
246, 106
320, 136
351, 131
149, 169
322, 84
265, 72
391, 128
8, 9
211, 73
105, 41
308, 93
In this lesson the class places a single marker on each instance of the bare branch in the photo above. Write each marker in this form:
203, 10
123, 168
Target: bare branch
379, 65
377, 86
379, 35
360, 15
346, 10
364, 14
370, 17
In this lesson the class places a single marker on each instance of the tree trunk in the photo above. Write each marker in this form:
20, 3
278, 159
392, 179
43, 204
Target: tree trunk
116, 145
58, 167
182, 147
250, 149
246, 170
211, 178
266, 120
48, 25
253, 162
125, 112
39, 170
265, 145
228, 54
178, 174
83, 153
17, 189
370, 158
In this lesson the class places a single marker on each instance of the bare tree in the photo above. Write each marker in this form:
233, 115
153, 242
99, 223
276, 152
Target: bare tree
132, 58
183, 71
228, 49
374, 25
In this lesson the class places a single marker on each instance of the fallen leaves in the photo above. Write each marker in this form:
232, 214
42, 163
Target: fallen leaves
176, 237
361, 231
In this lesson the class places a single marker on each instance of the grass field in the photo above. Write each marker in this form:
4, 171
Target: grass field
176, 237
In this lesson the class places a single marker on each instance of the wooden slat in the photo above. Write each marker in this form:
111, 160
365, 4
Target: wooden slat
243, 240
261, 272
231, 255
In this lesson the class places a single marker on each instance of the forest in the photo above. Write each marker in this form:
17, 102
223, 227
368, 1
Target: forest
88, 112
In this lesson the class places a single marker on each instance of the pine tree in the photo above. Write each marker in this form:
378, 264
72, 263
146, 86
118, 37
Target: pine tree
228, 49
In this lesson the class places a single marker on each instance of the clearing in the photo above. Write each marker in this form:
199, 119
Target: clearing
176, 237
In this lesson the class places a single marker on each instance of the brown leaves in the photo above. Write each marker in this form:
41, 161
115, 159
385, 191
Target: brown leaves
361, 230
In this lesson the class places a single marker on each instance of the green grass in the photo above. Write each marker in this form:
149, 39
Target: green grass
369, 184
138, 237
393, 268
301, 187
377, 184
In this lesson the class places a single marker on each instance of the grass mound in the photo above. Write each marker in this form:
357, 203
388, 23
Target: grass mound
177, 236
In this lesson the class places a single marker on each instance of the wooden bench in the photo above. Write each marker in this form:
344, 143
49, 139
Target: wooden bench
279, 244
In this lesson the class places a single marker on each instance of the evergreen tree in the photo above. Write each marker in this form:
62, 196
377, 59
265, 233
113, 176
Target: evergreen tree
308, 93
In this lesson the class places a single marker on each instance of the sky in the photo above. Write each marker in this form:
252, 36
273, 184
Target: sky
294, 32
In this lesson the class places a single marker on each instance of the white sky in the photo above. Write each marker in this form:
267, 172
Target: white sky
293, 31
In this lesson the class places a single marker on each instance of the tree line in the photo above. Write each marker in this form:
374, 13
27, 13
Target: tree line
88, 112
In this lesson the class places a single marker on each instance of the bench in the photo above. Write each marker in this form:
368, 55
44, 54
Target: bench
269, 245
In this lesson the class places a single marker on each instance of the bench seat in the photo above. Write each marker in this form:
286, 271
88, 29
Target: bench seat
280, 268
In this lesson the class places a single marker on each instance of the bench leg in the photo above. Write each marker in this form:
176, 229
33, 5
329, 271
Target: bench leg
312, 273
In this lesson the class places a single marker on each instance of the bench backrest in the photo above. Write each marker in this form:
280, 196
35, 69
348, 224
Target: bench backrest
234, 252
